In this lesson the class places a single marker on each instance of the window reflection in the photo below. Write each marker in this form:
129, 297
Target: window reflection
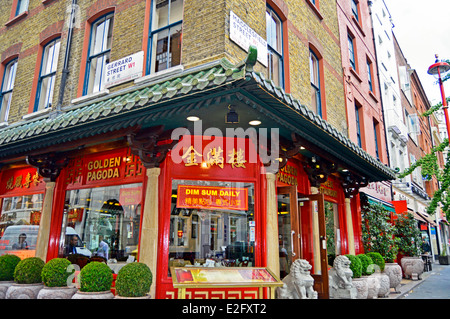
332, 230
166, 35
102, 221
284, 234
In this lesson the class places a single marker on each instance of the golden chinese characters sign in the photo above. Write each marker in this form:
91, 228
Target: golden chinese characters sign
214, 156
327, 188
288, 175
212, 197
224, 278
115, 166
232, 275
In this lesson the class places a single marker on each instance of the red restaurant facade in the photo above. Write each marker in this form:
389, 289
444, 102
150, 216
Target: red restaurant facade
112, 170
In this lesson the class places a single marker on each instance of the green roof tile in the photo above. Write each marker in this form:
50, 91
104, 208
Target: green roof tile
81, 119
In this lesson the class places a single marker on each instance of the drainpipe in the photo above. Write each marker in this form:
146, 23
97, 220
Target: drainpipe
438, 239
369, 2
65, 71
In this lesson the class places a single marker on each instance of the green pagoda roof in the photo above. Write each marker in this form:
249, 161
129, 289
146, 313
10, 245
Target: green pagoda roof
196, 89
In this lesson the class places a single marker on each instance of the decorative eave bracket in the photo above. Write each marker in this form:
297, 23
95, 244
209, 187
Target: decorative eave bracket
48, 165
352, 183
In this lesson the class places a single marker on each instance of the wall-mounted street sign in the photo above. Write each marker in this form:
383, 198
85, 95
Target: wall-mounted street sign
124, 70
244, 36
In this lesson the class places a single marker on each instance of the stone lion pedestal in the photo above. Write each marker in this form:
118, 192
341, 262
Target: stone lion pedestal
394, 272
299, 283
340, 276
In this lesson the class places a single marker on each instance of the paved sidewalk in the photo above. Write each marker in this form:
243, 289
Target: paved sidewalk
407, 285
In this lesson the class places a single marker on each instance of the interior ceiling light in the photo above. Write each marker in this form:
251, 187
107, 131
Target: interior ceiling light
254, 122
232, 116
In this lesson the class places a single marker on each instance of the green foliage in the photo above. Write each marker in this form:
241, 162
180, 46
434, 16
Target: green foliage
355, 266
365, 262
378, 232
7, 265
28, 271
408, 233
134, 280
377, 259
55, 272
443, 251
430, 168
95, 277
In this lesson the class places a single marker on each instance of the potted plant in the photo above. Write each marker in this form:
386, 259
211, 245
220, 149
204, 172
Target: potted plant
95, 282
361, 285
409, 245
379, 236
55, 276
444, 259
8, 264
27, 279
134, 281
374, 281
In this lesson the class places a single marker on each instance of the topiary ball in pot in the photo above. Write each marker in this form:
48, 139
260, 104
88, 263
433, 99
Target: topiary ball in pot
29, 270
134, 280
95, 277
366, 261
8, 264
55, 272
355, 266
377, 259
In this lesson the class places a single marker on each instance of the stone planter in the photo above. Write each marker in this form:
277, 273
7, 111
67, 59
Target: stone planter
93, 295
394, 272
444, 260
362, 287
412, 267
385, 287
57, 292
4, 286
23, 291
373, 284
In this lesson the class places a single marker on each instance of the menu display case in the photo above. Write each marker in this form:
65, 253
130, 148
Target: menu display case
224, 277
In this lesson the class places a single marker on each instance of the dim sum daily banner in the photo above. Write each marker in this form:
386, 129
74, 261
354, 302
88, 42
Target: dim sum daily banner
212, 197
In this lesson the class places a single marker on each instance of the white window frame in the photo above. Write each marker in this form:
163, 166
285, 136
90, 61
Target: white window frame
7, 87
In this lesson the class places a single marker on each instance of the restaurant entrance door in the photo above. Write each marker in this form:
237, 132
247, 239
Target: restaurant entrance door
302, 234
312, 216
288, 228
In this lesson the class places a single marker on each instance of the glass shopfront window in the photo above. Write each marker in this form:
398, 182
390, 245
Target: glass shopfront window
212, 224
19, 224
102, 221
332, 229
284, 234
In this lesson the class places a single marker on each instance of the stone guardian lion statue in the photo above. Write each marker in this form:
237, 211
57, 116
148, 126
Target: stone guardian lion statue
299, 283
